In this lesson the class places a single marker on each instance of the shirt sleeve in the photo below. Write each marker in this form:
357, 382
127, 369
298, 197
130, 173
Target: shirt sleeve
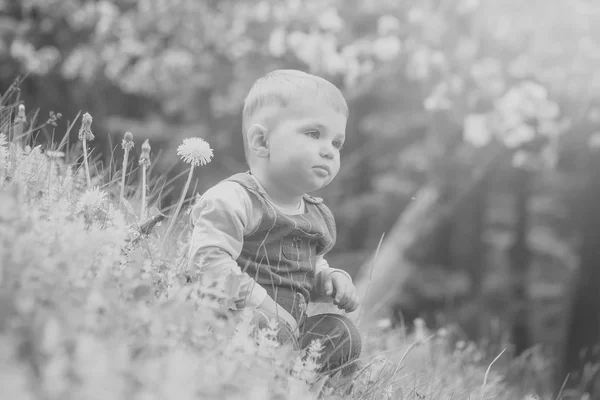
219, 219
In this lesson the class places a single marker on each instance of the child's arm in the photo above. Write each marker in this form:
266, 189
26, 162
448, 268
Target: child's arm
322, 269
219, 219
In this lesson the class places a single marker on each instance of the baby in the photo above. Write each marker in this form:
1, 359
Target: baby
262, 230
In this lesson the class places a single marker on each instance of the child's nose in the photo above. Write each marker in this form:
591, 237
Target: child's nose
327, 151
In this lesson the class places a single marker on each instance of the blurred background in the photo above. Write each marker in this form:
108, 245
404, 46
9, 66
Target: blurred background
472, 155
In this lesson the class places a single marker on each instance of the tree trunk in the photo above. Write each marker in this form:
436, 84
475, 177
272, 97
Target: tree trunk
520, 258
583, 332
381, 279
476, 257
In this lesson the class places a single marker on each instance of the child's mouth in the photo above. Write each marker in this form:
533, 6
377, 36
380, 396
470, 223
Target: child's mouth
321, 170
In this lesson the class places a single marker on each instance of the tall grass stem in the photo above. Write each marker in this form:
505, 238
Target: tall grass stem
179, 203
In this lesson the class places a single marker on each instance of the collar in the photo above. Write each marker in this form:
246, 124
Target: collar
305, 197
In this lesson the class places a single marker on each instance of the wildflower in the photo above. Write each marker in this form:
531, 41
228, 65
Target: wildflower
85, 132
92, 199
127, 143
195, 151
53, 118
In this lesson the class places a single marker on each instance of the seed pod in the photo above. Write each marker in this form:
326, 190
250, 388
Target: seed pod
145, 156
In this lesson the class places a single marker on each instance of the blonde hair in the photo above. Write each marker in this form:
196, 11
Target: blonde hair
281, 87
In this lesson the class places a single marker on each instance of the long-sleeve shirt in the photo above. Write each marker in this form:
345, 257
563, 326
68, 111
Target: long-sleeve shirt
223, 216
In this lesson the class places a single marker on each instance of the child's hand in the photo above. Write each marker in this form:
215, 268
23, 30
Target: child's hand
343, 291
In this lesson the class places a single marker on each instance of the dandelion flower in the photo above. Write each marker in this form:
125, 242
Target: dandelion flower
195, 151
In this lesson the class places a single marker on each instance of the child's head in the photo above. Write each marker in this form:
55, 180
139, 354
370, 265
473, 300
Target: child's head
294, 125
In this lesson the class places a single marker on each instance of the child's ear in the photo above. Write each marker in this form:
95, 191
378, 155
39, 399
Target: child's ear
257, 140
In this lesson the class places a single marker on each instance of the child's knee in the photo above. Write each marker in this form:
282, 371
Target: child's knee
284, 333
342, 343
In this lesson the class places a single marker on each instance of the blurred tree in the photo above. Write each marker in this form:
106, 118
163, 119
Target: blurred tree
583, 328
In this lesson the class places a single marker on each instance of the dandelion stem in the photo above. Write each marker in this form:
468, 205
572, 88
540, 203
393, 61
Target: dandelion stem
180, 202
85, 163
85, 134
143, 210
124, 173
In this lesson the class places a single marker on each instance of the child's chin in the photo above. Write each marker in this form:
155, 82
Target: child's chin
314, 188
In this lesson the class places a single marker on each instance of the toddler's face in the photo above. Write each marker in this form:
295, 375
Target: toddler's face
304, 147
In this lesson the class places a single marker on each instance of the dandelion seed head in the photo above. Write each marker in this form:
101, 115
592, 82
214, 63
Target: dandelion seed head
195, 151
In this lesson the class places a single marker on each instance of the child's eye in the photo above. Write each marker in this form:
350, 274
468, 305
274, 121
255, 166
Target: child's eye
313, 134
338, 144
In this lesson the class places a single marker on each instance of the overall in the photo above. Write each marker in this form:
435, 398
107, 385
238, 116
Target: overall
280, 255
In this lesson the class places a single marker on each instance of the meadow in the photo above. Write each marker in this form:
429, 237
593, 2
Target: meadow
96, 302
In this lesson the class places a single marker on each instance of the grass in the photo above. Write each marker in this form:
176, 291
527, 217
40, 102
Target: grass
93, 307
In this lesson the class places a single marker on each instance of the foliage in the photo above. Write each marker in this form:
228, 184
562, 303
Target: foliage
420, 76
433, 85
